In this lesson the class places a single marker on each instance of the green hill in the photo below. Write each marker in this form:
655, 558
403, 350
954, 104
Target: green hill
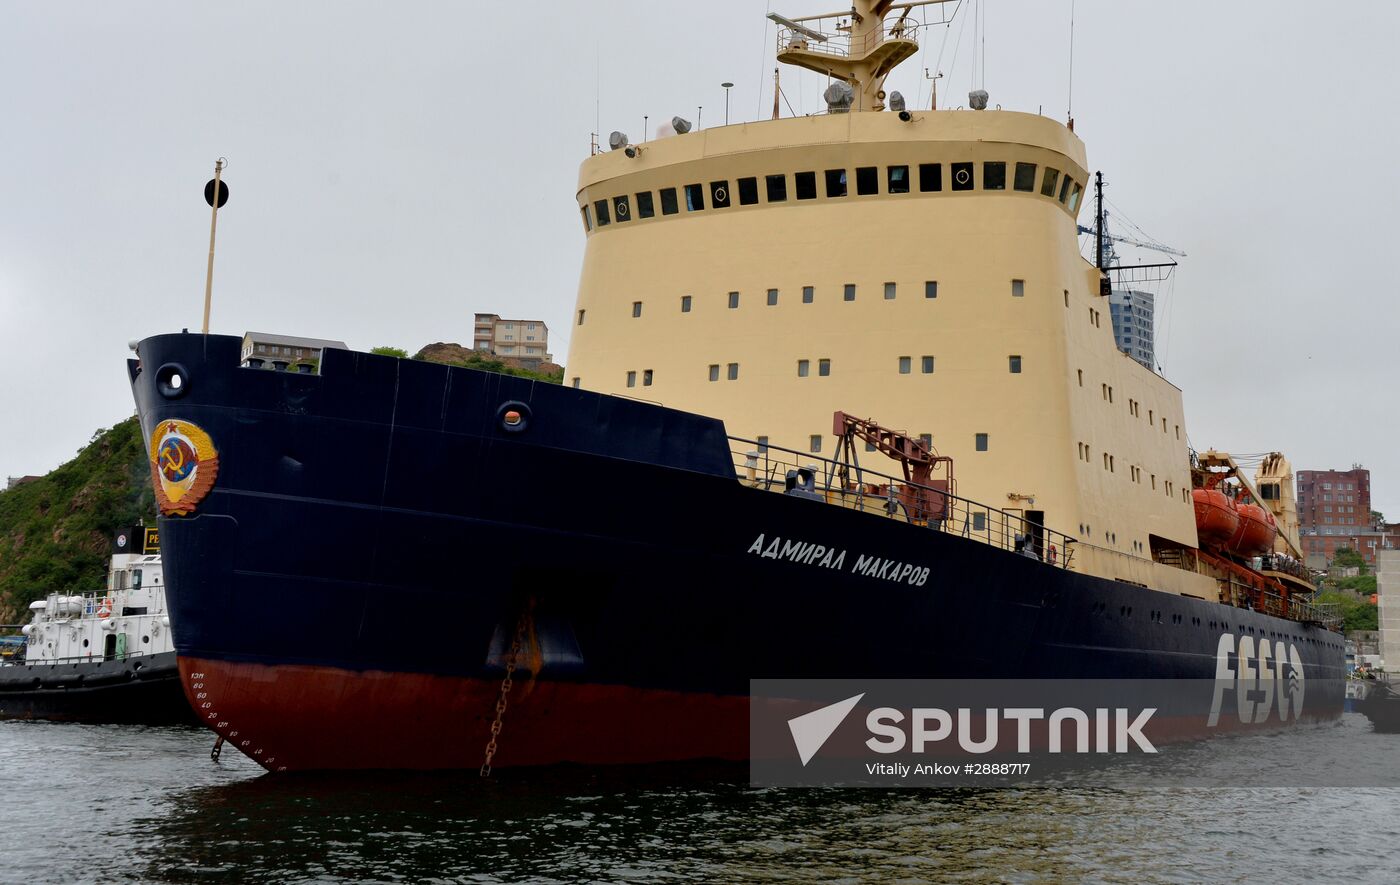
55, 531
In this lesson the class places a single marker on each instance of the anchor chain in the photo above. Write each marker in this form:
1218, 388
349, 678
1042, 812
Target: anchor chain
506, 684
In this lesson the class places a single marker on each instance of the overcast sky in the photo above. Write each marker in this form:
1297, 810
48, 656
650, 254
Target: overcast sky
395, 168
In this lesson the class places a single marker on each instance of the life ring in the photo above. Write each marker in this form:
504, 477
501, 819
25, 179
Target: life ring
105, 609
1053, 554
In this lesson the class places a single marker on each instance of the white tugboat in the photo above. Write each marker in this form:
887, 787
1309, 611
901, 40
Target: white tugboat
101, 656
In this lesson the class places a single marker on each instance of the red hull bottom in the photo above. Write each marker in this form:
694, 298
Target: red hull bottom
297, 718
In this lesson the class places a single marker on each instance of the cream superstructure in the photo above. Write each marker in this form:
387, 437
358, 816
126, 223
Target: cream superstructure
972, 316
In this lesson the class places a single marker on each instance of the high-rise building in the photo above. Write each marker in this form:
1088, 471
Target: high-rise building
1132, 312
521, 339
1334, 511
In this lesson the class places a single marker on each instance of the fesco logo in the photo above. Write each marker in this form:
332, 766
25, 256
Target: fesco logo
1265, 677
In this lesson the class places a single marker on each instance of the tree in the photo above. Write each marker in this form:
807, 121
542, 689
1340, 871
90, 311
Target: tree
391, 351
1349, 558
1357, 614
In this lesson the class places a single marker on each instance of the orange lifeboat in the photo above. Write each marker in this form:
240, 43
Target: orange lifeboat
1256, 533
1216, 519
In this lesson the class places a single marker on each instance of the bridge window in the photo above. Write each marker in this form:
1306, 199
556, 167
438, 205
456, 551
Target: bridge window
748, 191
1064, 187
849, 293
733, 300
836, 182
926, 365
824, 368
714, 371
646, 208
867, 180
905, 365
1025, 177
802, 368
777, 188
772, 297
889, 291
930, 177
685, 304
994, 176
694, 198
620, 208
668, 201
897, 180
587, 221
962, 176
719, 193
930, 288
600, 211
807, 293
981, 441
806, 183
1047, 184
1074, 199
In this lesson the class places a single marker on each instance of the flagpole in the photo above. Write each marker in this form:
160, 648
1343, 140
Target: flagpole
213, 223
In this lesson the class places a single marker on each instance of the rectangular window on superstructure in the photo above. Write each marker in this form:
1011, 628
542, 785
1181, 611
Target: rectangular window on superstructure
869, 446
620, 208
849, 292
1025, 177
930, 288
867, 180
733, 300
748, 191
587, 221
897, 180
930, 177
668, 201
631, 379
580, 317
806, 185
1064, 187
927, 440
889, 291
733, 372
905, 364
1014, 364
836, 182
814, 443
1047, 184
646, 377
645, 207
772, 297
575, 382
1074, 198
982, 440
926, 365
803, 367
694, 198
1081, 377
979, 521
824, 368
636, 308
962, 176
807, 294
1018, 288
714, 371
685, 304
763, 443
777, 188
600, 212
994, 176
719, 194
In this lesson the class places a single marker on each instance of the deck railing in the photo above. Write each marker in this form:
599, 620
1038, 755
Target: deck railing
843, 45
787, 471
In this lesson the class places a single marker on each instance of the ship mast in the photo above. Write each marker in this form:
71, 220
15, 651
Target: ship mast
871, 47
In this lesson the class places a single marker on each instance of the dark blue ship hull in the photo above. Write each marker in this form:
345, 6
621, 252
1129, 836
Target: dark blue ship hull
346, 593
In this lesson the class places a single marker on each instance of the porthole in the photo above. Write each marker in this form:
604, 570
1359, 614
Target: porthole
172, 380
513, 416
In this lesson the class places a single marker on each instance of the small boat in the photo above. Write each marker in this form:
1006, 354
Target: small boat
102, 656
